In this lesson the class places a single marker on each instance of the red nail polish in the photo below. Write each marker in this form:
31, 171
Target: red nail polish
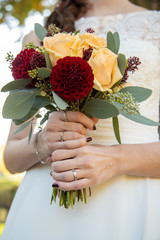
55, 185
94, 127
88, 139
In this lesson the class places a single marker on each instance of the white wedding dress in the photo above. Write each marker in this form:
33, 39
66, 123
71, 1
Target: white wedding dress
123, 208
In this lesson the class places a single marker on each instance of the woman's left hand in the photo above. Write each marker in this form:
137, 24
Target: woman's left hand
94, 164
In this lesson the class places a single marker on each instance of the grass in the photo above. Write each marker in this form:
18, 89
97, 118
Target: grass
1, 228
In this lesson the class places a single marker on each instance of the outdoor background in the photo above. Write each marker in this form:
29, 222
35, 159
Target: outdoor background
17, 18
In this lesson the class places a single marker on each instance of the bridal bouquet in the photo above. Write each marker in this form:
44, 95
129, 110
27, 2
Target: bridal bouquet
76, 72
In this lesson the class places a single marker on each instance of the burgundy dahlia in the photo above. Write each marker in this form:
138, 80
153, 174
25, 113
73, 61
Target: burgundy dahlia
26, 60
72, 78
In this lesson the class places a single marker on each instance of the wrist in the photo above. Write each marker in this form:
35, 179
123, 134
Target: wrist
121, 155
41, 149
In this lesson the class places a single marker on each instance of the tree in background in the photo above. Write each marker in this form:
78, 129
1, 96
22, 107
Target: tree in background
20, 9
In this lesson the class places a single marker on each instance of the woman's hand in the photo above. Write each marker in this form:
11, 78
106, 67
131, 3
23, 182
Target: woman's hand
94, 164
61, 133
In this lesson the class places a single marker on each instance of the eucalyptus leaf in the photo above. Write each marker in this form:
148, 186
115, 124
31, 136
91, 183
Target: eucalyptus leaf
48, 61
44, 119
116, 129
139, 93
136, 117
122, 63
51, 108
111, 43
30, 134
44, 72
23, 126
18, 104
117, 41
31, 90
28, 116
16, 84
59, 101
100, 109
17, 122
40, 31
41, 102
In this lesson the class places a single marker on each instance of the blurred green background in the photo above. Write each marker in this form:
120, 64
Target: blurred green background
19, 10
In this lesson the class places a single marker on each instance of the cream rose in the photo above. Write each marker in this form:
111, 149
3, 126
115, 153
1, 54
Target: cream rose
62, 45
92, 40
104, 65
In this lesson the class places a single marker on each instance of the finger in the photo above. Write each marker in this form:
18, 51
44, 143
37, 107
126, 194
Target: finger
68, 176
66, 165
95, 120
63, 136
63, 154
78, 117
68, 186
49, 159
74, 127
71, 144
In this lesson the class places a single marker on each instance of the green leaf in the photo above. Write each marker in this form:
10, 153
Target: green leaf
41, 102
17, 122
40, 31
139, 93
116, 129
116, 84
59, 101
100, 109
29, 115
111, 42
23, 126
136, 117
30, 134
122, 63
16, 84
44, 72
51, 108
48, 61
117, 41
45, 118
18, 104
76, 32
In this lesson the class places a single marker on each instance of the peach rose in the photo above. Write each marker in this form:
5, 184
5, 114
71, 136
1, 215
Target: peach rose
105, 68
92, 40
62, 45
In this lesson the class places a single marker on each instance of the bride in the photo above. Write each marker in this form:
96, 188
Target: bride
125, 179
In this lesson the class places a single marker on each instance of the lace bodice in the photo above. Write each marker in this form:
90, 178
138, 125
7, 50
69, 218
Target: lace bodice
136, 25
140, 36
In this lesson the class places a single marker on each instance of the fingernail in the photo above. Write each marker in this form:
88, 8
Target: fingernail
55, 185
88, 139
51, 174
94, 127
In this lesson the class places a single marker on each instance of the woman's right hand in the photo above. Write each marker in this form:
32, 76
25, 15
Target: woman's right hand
62, 131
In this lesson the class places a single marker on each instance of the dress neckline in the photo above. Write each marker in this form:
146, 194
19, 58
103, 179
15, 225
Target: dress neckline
118, 15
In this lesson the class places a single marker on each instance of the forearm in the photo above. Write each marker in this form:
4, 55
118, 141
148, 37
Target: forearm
19, 155
139, 159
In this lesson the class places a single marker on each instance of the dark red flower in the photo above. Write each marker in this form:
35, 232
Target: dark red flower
133, 63
26, 60
89, 30
37, 60
72, 78
87, 53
